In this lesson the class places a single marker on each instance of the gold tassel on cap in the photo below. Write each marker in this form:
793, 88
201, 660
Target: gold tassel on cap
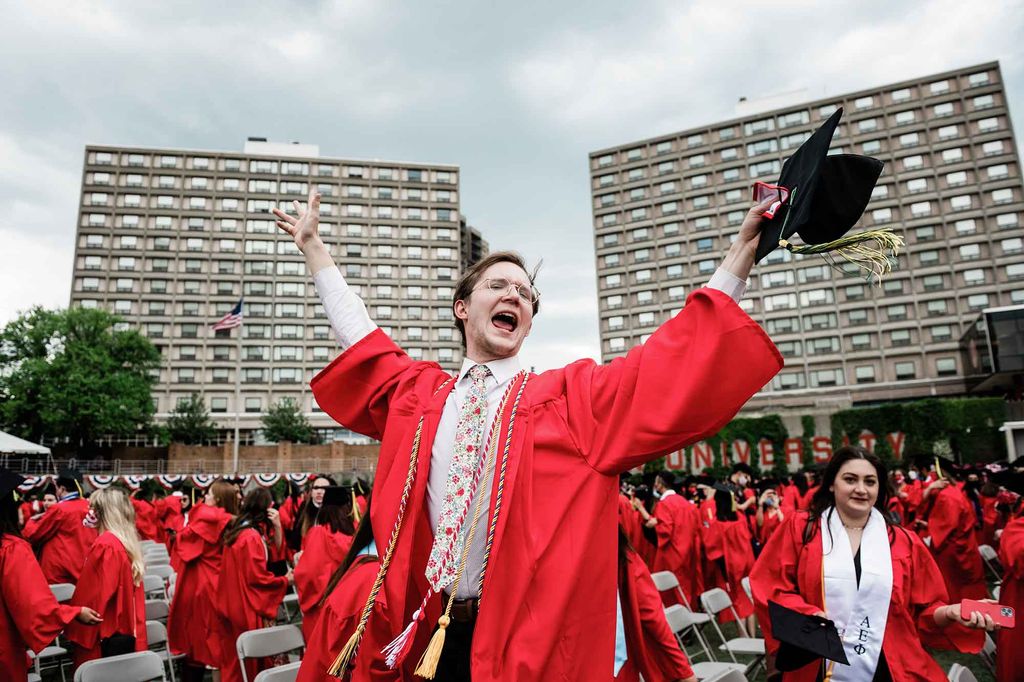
874, 260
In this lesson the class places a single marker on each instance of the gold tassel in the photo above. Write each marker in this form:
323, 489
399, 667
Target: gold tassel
355, 508
341, 663
427, 667
874, 260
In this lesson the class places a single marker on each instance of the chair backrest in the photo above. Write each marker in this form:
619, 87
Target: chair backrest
62, 592
727, 676
958, 673
269, 641
747, 588
995, 592
153, 583
282, 673
715, 600
679, 618
987, 553
138, 667
665, 580
156, 634
156, 609
989, 648
164, 571
152, 561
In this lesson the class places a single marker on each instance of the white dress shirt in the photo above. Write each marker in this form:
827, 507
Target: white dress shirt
351, 322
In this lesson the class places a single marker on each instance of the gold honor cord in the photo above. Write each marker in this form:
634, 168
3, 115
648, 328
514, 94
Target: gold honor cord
873, 252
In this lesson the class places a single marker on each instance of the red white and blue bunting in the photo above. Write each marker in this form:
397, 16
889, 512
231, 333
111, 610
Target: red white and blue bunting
32, 482
135, 482
100, 481
203, 481
298, 479
168, 481
266, 480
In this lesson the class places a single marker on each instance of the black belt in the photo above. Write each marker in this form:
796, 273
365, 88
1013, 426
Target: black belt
463, 610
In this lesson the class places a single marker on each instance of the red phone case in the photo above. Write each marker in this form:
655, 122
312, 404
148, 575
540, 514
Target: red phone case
1001, 615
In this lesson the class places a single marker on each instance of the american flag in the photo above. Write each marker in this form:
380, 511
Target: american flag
231, 320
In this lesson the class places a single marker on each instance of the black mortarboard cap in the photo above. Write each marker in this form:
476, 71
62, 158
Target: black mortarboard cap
766, 484
1012, 481
337, 495
742, 466
821, 196
71, 475
803, 639
701, 479
9, 482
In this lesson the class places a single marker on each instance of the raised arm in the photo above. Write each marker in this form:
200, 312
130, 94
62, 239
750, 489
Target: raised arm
345, 310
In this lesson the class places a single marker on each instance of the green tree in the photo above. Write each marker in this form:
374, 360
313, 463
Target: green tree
72, 374
284, 421
190, 422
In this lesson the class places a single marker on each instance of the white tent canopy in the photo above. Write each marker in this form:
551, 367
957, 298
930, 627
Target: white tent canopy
12, 445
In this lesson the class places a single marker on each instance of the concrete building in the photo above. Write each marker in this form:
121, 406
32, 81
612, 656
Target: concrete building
666, 208
171, 239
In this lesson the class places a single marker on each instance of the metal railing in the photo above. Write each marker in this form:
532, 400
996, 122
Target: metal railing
36, 466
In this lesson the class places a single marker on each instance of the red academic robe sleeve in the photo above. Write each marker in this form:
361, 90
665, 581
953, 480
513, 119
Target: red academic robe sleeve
246, 583
944, 517
1010, 643
106, 585
650, 644
61, 541
681, 385
30, 617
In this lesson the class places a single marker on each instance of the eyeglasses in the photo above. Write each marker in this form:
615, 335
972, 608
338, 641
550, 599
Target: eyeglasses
529, 294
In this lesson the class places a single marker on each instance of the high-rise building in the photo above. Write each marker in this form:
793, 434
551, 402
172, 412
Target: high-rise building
171, 239
666, 209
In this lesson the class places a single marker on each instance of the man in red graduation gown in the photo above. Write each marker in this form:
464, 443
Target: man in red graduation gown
950, 524
59, 538
538, 599
677, 522
145, 518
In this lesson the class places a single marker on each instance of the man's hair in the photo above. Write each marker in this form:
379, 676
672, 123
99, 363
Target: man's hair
471, 277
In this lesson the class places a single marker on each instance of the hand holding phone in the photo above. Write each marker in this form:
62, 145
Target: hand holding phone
1001, 615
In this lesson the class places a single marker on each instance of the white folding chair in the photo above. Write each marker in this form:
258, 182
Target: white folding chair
281, 673
680, 620
290, 601
164, 571
995, 592
154, 586
991, 559
717, 600
157, 609
156, 638
988, 653
152, 561
146, 544
62, 592
666, 581
727, 676
141, 666
266, 642
958, 673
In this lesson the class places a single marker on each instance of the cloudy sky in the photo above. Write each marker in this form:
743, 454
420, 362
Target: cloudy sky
516, 94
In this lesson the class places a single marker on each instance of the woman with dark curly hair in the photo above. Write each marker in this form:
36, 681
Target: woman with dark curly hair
843, 560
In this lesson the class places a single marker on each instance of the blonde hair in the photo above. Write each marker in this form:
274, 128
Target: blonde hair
115, 514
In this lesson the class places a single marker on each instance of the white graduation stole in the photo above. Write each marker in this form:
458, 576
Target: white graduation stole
861, 614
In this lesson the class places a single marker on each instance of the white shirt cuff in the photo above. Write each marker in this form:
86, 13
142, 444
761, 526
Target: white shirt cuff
727, 283
345, 310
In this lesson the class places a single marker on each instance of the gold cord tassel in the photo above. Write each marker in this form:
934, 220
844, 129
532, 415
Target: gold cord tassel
427, 667
340, 664
872, 251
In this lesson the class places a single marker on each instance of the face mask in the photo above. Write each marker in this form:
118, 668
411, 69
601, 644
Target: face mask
913, 475
899, 478
90, 520
742, 480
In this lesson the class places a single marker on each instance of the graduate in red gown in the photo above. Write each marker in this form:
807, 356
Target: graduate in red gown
324, 547
876, 581
677, 523
192, 624
170, 515
58, 537
729, 555
632, 524
769, 513
560, 441
950, 520
651, 649
340, 608
248, 593
1010, 642
111, 580
145, 517
30, 617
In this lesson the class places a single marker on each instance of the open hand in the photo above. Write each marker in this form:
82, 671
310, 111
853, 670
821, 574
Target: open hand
305, 228
88, 616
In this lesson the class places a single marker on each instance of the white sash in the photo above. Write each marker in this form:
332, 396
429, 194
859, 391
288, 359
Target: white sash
861, 614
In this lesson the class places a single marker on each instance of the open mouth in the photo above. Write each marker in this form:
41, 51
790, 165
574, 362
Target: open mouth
505, 321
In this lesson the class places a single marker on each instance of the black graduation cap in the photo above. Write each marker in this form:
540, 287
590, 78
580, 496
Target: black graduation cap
766, 484
820, 197
71, 475
337, 495
1011, 480
742, 466
9, 482
803, 639
700, 480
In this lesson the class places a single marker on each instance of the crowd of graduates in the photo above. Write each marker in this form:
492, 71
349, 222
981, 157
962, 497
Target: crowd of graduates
236, 554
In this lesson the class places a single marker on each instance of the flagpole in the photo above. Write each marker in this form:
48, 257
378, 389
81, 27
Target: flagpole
238, 400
